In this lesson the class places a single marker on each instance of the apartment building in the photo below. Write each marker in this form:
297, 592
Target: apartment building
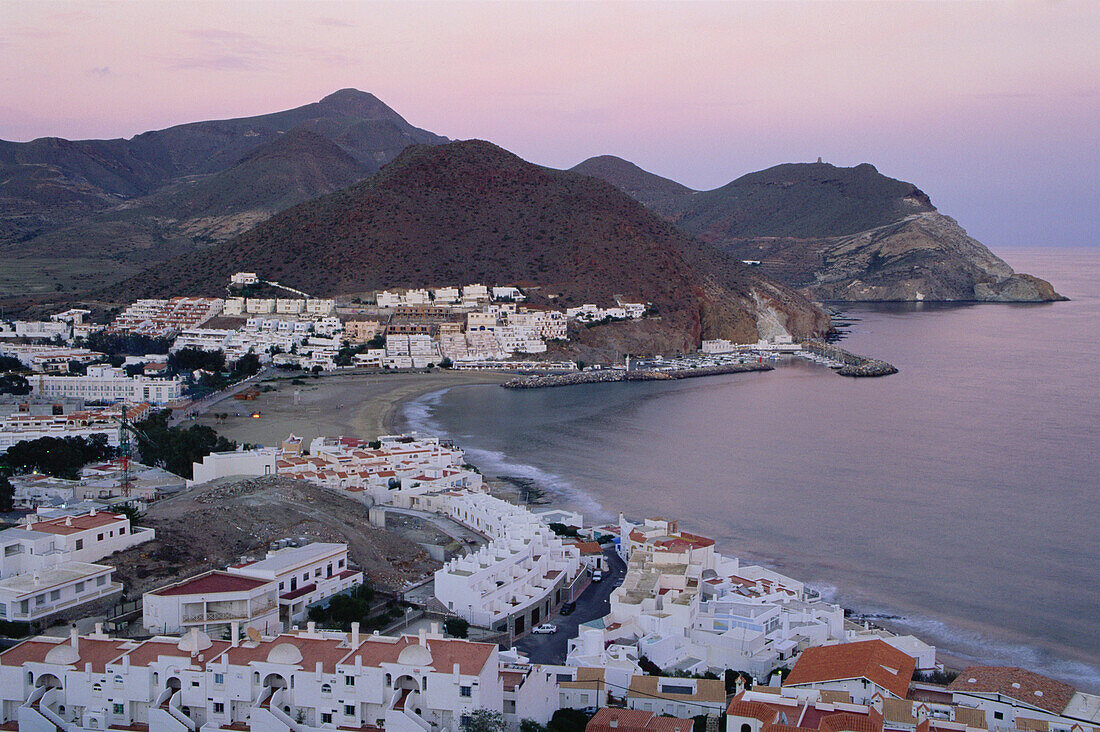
24, 425
211, 602
49, 359
41, 594
158, 318
361, 331
514, 582
305, 575
108, 384
306, 680
860, 670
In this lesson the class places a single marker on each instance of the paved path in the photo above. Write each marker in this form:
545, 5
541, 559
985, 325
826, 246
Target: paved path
206, 402
594, 602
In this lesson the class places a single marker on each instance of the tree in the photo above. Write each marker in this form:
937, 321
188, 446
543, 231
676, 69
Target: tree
14, 384
176, 448
568, 720
7, 493
530, 725
77, 368
379, 341
456, 627
191, 359
483, 720
11, 363
61, 457
445, 363
134, 369
247, 365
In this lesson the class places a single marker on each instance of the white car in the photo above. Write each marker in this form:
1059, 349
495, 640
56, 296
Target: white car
597, 576
546, 629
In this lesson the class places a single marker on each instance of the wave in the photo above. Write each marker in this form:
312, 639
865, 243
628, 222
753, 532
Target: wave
419, 415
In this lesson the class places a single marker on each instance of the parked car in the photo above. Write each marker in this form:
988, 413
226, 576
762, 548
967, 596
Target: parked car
568, 608
597, 576
546, 629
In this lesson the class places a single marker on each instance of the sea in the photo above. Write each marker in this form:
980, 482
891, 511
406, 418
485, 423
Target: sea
958, 500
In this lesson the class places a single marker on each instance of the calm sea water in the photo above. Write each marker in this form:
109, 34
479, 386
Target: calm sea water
962, 494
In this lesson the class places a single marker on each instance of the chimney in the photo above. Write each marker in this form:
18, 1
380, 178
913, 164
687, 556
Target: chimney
739, 684
435, 627
99, 630
126, 661
92, 512
454, 670
355, 635
310, 627
421, 635
613, 723
68, 520
235, 633
74, 638
318, 669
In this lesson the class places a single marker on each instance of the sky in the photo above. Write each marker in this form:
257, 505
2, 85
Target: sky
993, 109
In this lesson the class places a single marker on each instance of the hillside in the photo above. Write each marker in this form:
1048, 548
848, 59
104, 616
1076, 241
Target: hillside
847, 234
164, 192
472, 212
639, 184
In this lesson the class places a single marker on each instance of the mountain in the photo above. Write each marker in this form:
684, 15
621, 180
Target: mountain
472, 212
167, 191
644, 186
847, 234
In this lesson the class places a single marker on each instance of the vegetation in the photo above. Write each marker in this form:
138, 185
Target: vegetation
126, 344
175, 448
563, 530
351, 607
11, 383
568, 720
61, 457
11, 363
14, 629
445, 363
483, 720
7, 494
456, 627
186, 360
935, 676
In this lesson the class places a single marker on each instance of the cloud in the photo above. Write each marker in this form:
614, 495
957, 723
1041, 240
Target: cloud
100, 71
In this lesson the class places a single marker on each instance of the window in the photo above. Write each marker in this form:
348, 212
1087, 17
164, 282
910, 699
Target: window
195, 684
55, 595
564, 677
326, 717
998, 715
219, 678
349, 710
79, 587
389, 681
122, 531
466, 691
219, 708
79, 544
349, 681
317, 572
100, 581
340, 563
280, 586
99, 537
305, 576
119, 708
326, 688
40, 600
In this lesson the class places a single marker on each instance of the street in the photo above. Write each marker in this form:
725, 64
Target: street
594, 603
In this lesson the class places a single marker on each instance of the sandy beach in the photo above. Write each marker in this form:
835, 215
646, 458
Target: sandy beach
358, 405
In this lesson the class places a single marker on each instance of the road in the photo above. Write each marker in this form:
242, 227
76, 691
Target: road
594, 602
206, 402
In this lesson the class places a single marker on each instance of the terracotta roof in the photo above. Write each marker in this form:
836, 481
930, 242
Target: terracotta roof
588, 548
77, 524
97, 652
303, 590
1026, 687
329, 651
149, 651
874, 660
706, 690
214, 581
754, 710
471, 657
635, 720
847, 722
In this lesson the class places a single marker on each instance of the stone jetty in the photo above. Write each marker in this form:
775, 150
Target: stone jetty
602, 376
854, 364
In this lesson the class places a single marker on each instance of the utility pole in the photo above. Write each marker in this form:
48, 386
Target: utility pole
124, 451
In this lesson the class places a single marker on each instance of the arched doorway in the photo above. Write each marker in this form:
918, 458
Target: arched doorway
174, 683
275, 681
49, 681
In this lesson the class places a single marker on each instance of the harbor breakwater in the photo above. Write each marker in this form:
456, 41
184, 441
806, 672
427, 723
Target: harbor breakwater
604, 376
854, 364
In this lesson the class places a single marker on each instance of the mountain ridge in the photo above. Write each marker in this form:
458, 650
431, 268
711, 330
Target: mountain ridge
843, 234
470, 211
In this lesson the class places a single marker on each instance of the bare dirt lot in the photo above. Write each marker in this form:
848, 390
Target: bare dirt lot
211, 526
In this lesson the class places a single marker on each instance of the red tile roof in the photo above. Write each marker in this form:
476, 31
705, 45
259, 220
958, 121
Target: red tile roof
471, 657
874, 660
755, 710
847, 722
77, 523
94, 651
303, 590
1024, 686
329, 651
212, 582
635, 720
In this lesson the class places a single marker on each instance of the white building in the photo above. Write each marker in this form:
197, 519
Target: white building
860, 670
41, 594
1014, 698
211, 602
259, 461
244, 278
108, 384
514, 582
305, 575
302, 681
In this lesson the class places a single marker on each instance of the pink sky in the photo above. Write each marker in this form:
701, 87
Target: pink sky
991, 108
